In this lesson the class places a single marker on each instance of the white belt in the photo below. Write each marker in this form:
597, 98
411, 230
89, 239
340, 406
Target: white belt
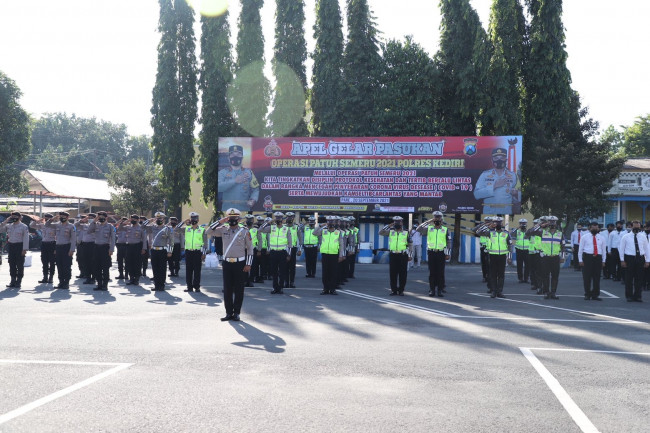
157, 248
398, 252
234, 259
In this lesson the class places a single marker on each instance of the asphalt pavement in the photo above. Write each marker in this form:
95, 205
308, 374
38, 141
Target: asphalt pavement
135, 360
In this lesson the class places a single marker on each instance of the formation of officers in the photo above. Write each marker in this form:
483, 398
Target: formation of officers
95, 237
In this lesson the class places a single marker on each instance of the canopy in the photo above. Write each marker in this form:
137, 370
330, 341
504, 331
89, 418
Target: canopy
59, 185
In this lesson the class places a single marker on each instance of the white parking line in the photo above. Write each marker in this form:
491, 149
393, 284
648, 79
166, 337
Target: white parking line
401, 304
609, 294
41, 401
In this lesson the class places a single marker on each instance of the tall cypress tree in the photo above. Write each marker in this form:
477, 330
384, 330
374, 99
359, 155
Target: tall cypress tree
361, 70
216, 74
290, 50
326, 91
174, 110
462, 60
250, 92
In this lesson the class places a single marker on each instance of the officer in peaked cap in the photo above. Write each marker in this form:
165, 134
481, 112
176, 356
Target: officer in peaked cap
280, 241
399, 243
496, 186
47, 247
66, 242
174, 261
238, 186
296, 250
196, 247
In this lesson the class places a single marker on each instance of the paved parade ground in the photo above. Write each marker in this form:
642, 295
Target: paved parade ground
139, 361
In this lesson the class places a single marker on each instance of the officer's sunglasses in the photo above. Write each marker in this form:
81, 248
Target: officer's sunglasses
499, 158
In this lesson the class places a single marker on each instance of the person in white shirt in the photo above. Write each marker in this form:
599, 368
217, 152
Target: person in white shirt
575, 241
592, 257
612, 249
635, 256
416, 248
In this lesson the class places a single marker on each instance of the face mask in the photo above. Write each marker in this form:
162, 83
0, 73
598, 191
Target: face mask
91, 220
499, 164
311, 224
594, 231
398, 226
63, 219
101, 220
618, 229
249, 223
159, 222
233, 223
330, 225
551, 226
194, 221
134, 222
278, 222
635, 230
174, 224
437, 222
584, 229
236, 161
498, 226
522, 227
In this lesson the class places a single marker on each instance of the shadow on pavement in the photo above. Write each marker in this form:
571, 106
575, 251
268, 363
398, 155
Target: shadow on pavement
257, 339
56, 296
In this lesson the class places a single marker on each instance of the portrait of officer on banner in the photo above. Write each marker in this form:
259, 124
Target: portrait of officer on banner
498, 186
237, 187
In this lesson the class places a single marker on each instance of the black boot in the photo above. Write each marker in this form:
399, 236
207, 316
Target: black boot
44, 280
12, 283
51, 279
18, 281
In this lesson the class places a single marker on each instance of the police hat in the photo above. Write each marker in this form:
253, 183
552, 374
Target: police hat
499, 152
311, 218
173, 219
134, 216
552, 218
259, 218
523, 221
350, 218
437, 213
193, 214
232, 212
278, 215
142, 217
290, 214
92, 215
235, 148
488, 219
47, 215
249, 217
159, 215
64, 214
102, 213
397, 218
497, 219
330, 218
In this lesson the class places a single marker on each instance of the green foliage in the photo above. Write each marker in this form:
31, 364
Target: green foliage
216, 119
14, 137
138, 187
361, 70
636, 138
409, 86
327, 90
175, 99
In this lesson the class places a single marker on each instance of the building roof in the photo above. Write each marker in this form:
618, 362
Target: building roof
60, 185
637, 164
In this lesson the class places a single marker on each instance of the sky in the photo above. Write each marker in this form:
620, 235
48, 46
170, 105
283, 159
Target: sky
97, 58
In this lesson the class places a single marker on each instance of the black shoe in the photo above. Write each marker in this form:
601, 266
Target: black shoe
189, 289
292, 286
275, 291
63, 287
493, 295
352, 276
120, 277
171, 275
98, 288
50, 280
249, 285
197, 290
226, 318
630, 300
307, 276
541, 292
431, 294
588, 297
501, 295
44, 280
554, 296
89, 281
280, 292
547, 296
333, 292
596, 299
634, 299
533, 288
392, 294
324, 292
80, 276
401, 293
235, 318
12, 284
440, 295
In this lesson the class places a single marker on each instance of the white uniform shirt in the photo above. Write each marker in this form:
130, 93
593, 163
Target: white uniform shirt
416, 237
626, 247
614, 239
587, 246
576, 236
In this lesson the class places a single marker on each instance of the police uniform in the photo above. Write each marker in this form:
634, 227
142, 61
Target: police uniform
551, 254
250, 226
522, 245
18, 240
238, 253
161, 239
146, 246
399, 245
48, 248
86, 249
280, 242
438, 249
234, 194
332, 250
295, 247
66, 243
104, 246
354, 249
482, 231
174, 262
534, 262
196, 247
310, 239
498, 247
134, 236
496, 200
120, 245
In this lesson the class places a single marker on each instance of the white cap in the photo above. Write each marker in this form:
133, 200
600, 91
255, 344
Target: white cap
398, 218
278, 214
159, 215
194, 214
437, 213
232, 212
523, 221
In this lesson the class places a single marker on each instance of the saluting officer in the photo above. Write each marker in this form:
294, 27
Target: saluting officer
238, 185
498, 246
237, 261
354, 250
86, 249
311, 241
438, 251
521, 247
196, 247
332, 253
18, 240
66, 242
104, 234
261, 260
179, 238
252, 275
296, 249
551, 255
161, 239
48, 247
134, 251
146, 246
482, 231
280, 246
399, 243
120, 244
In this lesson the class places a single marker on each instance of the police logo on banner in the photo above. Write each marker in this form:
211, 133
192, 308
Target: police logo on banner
470, 146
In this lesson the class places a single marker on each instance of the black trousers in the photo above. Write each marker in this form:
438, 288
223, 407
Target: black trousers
634, 276
278, 261
159, 268
121, 257
398, 268
175, 260
48, 258
615, 269
497, 271
134, 261
608, 266
485, 263
329, 263
591, 274
534, 272
342, 272
575, 262
233, 286
436, 262
265, 264
550, 273
254, 273
352, 259
291, 267
102, 261
145, 261
193, 262
86, 262
311, 257
522, 265
63, 263
16, 261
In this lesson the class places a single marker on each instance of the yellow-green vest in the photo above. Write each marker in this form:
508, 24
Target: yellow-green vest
294, 235
436, 238
194, 238
534, 244
310, 238
279, 239
253, 232
330, 242
498, 243
355, 230
265, 240
521, 243
398, 241
551, 243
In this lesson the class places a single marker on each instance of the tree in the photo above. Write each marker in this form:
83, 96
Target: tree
326, 92
290, 53
216, 119
249, 93
14, 137
175, 99
462, 59
138, 187
361, 71
408, 91
636, 138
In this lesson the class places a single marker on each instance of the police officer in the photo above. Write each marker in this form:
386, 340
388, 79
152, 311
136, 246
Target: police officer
608, 262
134, 235
499, 245
48, 247
576, 235
354, 249
345, 234
591, 256
161, 239
196, 247
521, 248
179, 238
399, 243
332, 253
482, 231
238, 186
497, 185
280, 248
311, 241
296, 249
249, 224
66, 242
120, 244
634, 254
86, 249
237, 261
146, 246
104, 246
261, 260
534, 248
551, 255
613, 242
438, 251
18, 240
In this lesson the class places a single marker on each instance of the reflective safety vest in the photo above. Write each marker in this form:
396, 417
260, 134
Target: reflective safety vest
498, 243
310, 238
294, 235
265, 240
398, 241
355, 230
436, 238
253, 232
483, 240
521, 243
194, 238
535, 244
330, 242
551, 243
279, 239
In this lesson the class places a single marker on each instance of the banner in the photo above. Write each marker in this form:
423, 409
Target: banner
371, 174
